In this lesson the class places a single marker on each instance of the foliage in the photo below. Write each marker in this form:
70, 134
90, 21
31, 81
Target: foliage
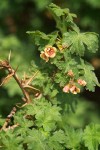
92, 136
18, 16
38, 130
50, 90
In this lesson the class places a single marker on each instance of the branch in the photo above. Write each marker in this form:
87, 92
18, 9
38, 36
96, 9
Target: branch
5, 65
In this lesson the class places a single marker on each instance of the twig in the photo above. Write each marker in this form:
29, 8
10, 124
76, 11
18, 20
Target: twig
5, 64
8, 119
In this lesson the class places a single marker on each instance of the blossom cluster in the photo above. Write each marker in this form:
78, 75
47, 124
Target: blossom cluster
49, 52
71, 87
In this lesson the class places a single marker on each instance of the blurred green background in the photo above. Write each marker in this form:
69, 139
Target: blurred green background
19, 16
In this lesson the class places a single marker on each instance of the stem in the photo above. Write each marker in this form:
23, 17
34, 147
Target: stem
5, 64
15, 76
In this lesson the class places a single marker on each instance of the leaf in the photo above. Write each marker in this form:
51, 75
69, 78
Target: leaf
60, 78
10, 141
90, 39
41, 39
54, 93
52, 37
74, 137
89, 76
47, 118
70, 64
57, 140
57, 10
59, 136
78, 41
23, 122
46, 115
64, 66
63, 18
35, 140
91, 136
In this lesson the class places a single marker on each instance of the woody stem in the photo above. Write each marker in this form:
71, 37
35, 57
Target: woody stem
15, 76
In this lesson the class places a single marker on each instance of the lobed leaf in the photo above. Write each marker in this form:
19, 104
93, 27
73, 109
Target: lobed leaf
91, 136
89, 75
78, 42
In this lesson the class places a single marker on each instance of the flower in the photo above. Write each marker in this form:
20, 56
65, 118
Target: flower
70, 73
66, 88
81, 82
74, 89
71, 88
43, 56
50, 51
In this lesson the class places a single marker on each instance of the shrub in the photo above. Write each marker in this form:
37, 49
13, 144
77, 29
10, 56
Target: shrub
50, 89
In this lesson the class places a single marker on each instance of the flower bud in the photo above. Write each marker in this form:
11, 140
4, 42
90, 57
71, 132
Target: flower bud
81, 82
70, 73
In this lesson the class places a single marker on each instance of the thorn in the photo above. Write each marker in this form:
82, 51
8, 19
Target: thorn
9, 56
30, 80
17, 105
6, 79
24, 76
16, 69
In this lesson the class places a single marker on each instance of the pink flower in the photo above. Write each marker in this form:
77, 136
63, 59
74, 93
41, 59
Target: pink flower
81, 82
50, 51
66, 88
71, 88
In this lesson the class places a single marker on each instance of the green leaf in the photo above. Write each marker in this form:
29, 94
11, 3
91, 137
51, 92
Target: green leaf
48, 117
24, 123
57, 10
54, 93
10, 141
74, 138
70, 64
78, 42
52, 37
41, 39
89, 76
60, 78
56, 140
63, 18
91, 136
90, 39
35, 140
